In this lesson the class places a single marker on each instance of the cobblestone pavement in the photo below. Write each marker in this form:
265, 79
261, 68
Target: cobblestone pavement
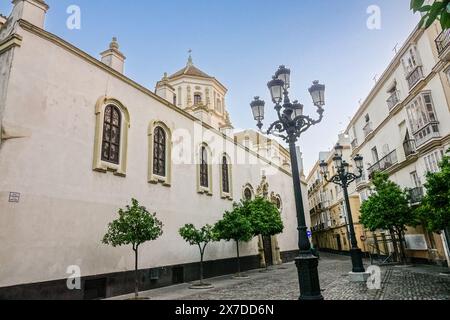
398, 283
281, 283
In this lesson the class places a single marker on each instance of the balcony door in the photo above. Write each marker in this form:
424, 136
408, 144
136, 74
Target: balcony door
415, 179
375, 156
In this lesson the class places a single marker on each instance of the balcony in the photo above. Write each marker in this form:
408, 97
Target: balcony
361, 180
414, 77
443, 45
385, 163
354, 144
393, 100
417, 195
409, 147
428, 132
368, 129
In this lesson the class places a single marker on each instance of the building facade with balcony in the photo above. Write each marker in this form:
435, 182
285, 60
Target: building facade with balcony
329, 217
403, 127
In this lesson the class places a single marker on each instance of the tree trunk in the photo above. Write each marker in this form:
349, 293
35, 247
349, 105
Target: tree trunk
402, 247
201, 268
394, 243
238, 259
447, 239
136, 278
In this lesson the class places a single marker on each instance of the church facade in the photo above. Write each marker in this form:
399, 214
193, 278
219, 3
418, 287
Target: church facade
79, 139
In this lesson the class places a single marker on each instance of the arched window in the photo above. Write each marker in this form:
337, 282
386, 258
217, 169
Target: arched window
111, 134
204, 179
159, 152
197, 98
225, 176
248, 194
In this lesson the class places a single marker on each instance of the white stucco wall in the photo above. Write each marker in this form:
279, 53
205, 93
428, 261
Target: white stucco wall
65, 206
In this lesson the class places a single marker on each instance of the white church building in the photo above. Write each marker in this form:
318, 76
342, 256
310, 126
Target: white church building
79, 139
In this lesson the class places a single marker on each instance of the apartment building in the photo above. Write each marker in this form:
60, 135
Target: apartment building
329, 216
403, 127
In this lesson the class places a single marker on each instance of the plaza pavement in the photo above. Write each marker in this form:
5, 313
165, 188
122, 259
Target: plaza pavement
418, 282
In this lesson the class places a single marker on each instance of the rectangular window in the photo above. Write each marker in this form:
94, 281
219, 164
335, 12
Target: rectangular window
415, 179
432, 161
422, 118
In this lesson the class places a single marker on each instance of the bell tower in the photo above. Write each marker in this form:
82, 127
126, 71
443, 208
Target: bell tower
198, 93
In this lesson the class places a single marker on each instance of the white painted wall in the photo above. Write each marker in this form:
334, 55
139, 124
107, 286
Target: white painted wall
65, 206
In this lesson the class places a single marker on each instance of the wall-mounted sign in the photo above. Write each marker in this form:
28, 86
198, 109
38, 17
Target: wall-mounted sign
14, 197
416, 242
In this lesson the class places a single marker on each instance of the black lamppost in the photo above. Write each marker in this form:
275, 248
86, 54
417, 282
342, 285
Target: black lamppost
344, 178
290, 125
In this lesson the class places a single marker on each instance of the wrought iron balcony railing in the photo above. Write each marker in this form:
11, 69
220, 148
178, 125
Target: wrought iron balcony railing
355, 143
414, 76
368, 129
409, 147
385, 163
361, 180
393, 100
443, 41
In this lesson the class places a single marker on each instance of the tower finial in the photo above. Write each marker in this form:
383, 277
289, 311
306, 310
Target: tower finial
114, 44
190, 62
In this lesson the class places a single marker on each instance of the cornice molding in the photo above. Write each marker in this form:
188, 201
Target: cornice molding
10, 42
413, 37
27, 26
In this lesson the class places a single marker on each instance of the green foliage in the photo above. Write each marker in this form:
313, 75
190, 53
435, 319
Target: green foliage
435, 208
388, 208
134, 226
439, 10
264, 217
235, 225
199, 237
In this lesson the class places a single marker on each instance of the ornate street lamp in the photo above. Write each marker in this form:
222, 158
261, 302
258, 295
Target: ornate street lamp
344, 178
290, 125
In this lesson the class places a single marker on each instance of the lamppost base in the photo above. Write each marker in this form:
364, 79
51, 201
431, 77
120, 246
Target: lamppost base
357, 262
308, 276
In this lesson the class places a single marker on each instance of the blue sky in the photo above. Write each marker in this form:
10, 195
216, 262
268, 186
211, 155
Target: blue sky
241, 42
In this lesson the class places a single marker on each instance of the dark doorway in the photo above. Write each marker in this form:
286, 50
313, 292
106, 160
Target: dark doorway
338, 240
267, 243
95, 289
177, 275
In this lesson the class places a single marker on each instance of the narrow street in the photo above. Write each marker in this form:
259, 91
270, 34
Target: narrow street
281, 283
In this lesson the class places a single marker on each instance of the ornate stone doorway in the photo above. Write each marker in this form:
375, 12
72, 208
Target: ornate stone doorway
267, 245
269, 250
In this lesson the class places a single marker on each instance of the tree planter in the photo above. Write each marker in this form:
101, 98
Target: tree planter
139, 298
240, 277
201, 286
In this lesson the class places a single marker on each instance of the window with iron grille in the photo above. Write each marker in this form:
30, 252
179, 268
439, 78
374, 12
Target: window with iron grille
204, 168
111, 134
225, 176
159, 152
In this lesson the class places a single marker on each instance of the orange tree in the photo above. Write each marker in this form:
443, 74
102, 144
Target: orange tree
134, 226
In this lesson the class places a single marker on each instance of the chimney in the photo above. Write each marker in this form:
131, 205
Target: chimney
2, 20
165, 90
113, 57
32, 11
